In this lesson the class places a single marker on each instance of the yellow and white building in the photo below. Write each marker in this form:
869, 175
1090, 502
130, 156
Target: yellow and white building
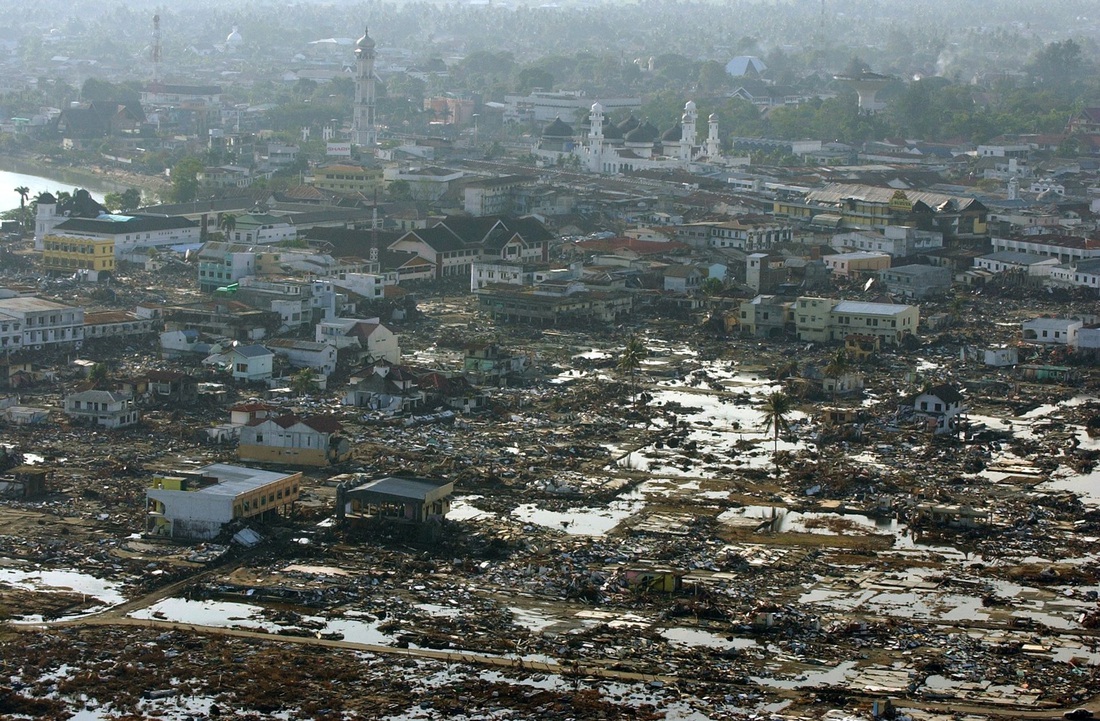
198, 504
69, 254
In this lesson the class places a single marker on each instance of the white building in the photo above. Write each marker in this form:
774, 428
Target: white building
940, 406
245, 362
368, 335
130, 232
1057, 331
606, 150
897, 241
319, 357
1066, 248
1014, 261
543, 107
364, 127
34, 323
102, 408
198, 504
749, 233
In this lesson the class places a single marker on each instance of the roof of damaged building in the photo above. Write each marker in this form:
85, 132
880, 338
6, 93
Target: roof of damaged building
420, 489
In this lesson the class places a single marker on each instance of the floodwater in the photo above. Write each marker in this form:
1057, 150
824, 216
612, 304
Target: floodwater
580, 521
106, 592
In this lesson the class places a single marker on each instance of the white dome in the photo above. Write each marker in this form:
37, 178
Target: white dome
234, 37
714, 117
689, 106
597, 108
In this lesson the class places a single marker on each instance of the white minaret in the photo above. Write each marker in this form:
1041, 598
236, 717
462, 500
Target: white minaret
595, 138
363, 129
687, 130
714, 148
46, 219
1013, 188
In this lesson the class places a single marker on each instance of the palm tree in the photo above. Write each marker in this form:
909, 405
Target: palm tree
302, 382
777, 406
629, 362
228, 223
837, 367
24, 193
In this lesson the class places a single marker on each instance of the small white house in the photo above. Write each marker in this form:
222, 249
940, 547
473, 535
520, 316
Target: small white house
940, 406
1057, 331
319, 357
102, 408
245, 362
1001, 357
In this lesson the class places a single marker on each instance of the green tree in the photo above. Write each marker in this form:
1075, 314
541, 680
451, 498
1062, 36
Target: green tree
24, 192
630, 361
185, 183
777, 407
529, 79
228, 223
98, 375
131, 199
302, 382
399, 190
711, 287
1058, 64
837, 366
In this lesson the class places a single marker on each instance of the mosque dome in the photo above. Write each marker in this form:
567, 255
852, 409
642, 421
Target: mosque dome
644, 133
365, 42
629, 124
234, 38
611, 131
557, 129
675, 133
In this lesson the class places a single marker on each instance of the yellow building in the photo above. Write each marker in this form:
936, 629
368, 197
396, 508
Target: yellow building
66, 254
346, 179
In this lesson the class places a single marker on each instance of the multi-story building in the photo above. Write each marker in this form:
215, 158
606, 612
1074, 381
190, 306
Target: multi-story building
748, 233
198, 504
346, 179
102, 408
871, 207
496, 196
569, 105
766, 316
222, 264
1066, 248
456, 243
129, 232
117, 324
65, 254
916, 281
426, 184
827, 319
309, 441
34, 323
856, 264
368, 335
897, 241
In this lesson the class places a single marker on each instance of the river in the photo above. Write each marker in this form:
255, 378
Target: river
9, 181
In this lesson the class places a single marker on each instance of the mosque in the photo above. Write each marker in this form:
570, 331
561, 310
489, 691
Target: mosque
607, 148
